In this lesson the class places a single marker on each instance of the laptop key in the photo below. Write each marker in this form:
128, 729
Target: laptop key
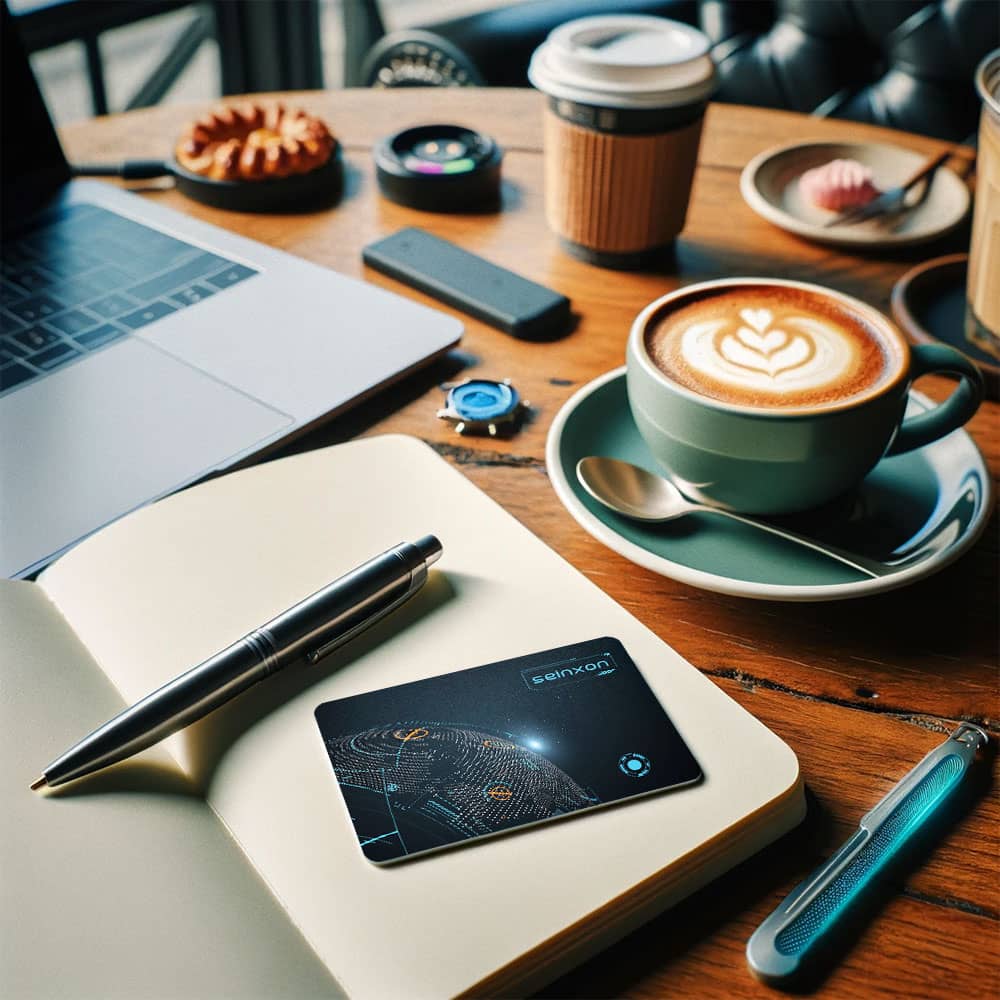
36, 308
11, 292
151, 313
13, 348
36, 338
31, 279
8, 323
55, 356
72, 322
192, 294
14, 374
230, 276
113, 305
96, 338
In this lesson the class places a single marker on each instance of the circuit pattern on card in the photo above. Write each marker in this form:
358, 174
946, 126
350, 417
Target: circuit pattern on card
410, 784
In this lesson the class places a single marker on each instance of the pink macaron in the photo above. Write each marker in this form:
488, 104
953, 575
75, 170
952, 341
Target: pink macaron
839, 185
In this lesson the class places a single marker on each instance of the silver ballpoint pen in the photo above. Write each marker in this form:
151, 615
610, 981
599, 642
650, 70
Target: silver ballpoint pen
308, 631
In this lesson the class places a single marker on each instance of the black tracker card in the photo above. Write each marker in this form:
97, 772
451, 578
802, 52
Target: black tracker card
466, 755
470, 283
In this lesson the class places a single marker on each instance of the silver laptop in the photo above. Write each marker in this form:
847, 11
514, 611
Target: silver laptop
141, 350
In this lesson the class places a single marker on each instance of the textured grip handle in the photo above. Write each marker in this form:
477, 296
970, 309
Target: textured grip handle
781, 945
826, 906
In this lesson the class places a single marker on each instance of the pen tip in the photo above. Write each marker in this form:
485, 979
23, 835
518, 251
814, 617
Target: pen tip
38, 783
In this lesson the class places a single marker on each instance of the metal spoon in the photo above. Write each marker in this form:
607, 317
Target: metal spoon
633, 492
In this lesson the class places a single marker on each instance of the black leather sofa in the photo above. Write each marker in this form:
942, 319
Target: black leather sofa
903, 63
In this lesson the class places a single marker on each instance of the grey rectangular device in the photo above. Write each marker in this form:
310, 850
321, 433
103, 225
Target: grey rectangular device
465, 280
141, 350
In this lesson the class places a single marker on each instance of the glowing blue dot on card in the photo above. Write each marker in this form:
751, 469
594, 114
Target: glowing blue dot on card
635, 765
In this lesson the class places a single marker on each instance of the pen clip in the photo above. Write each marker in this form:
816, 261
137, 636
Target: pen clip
964, 743
317, 654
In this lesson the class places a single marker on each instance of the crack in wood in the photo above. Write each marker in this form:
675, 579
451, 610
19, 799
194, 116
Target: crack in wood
462, 455
934, 723
951, 903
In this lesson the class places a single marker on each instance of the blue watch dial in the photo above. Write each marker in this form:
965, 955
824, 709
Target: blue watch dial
483, 399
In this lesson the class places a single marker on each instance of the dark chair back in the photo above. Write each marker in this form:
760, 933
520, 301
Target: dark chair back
901, 63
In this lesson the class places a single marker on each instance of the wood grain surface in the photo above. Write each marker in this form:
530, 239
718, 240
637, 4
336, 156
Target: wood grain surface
861, 690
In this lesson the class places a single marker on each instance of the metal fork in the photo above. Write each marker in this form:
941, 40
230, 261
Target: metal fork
894, 199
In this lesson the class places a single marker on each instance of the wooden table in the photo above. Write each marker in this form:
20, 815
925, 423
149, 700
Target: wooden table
861, 690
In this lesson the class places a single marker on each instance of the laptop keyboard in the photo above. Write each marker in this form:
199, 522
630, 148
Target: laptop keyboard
87, 277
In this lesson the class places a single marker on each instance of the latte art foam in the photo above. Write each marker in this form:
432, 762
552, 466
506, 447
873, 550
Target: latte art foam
773, 347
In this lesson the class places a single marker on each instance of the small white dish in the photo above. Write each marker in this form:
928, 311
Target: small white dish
901, 502
770, 186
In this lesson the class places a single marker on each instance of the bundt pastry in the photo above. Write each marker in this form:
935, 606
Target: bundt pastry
253, 143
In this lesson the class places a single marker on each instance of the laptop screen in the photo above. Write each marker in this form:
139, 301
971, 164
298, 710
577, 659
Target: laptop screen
33, 165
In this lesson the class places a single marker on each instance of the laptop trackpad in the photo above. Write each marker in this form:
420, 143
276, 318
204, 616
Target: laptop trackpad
96, 439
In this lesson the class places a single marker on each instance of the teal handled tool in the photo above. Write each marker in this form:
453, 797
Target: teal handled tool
785, 944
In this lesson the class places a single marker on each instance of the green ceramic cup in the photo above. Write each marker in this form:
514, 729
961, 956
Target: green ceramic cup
770, 460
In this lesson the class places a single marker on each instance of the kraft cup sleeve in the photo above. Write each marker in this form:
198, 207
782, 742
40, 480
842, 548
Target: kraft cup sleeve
955, 411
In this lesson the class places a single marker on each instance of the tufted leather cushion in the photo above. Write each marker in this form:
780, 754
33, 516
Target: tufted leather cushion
903, 63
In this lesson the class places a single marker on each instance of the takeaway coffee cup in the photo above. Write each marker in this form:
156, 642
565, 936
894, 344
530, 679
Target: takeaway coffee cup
626, 101
770, 396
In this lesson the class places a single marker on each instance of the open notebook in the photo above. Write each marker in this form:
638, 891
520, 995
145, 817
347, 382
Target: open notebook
223, 862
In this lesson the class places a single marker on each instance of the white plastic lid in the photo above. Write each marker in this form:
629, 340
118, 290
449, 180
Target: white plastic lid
625, 61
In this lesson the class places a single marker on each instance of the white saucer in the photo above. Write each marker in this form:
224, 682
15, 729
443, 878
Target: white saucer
770, 185
900, 503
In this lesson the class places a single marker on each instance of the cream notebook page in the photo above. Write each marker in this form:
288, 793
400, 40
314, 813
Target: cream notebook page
168, 586
127, 888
